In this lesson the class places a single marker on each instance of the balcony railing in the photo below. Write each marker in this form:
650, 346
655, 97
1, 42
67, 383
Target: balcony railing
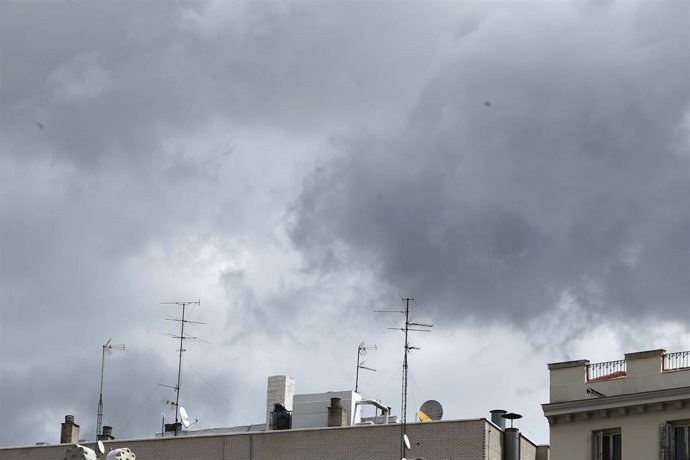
676, 361
606, 371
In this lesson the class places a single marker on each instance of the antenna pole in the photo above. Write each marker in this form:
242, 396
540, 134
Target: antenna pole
403, 425
107, 348
179, 368
99, 417
410, 326
181, 350
359, 353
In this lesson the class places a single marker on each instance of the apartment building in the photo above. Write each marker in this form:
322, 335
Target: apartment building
637, 408
310, 427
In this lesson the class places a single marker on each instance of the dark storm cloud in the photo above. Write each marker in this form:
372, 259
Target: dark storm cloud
150, 150
118, 124
547, 158
87, 82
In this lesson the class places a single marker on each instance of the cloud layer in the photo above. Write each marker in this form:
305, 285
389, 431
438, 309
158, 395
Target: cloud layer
540, 161
297, 165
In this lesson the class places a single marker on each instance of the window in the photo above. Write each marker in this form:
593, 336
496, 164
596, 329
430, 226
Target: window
680, 442
674, 441
607, 445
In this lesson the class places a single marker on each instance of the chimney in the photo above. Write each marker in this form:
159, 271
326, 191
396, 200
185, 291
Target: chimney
69, 434
337, 416
511, 444
280, 390
511, 438
497, 418
107, 434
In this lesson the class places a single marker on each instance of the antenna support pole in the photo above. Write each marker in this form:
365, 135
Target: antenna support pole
359, 354
107, 348
410, 326
181, 350
403, 426
361, 351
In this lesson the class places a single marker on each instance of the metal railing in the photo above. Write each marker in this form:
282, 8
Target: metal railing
676, 361
607, 370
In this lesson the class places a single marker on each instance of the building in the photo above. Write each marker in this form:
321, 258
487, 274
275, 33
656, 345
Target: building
635, 408
474, 439
317, 426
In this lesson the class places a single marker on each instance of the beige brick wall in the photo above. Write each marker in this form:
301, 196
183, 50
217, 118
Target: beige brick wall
494, 442
443, 440
528, 450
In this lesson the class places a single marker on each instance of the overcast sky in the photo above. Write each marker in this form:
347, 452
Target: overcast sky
522, 169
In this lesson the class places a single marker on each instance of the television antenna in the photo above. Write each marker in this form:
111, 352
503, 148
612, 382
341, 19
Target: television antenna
410, 326
362, 351
108, 349
182, 337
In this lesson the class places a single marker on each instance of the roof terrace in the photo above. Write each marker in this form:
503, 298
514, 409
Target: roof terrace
639, 372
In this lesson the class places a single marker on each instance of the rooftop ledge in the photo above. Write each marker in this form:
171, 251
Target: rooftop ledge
566, 364
639, 371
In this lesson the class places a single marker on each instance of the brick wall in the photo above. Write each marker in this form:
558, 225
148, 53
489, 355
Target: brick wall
443, 440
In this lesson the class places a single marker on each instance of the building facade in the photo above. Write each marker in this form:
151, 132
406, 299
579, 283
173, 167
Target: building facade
477, 439
635, 408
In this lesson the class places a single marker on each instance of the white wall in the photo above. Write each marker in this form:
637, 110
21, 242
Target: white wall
311, 410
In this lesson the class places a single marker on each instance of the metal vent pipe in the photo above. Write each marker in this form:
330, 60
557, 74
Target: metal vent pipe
497, 418
511, 444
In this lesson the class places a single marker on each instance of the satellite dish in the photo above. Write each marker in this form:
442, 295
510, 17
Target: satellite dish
432, 410
101, 447
407, 441
184, 417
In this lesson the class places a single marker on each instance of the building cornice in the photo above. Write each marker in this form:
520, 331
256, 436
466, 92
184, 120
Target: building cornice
618, 405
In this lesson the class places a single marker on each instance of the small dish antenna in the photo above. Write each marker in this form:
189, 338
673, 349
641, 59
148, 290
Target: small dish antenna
407, 441
430, 410
101, 447
184, 416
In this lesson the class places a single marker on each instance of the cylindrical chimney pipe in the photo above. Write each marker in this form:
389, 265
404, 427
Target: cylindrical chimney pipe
511, 444
497, 418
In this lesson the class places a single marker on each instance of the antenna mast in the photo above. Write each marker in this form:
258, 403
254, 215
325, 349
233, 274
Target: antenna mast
107, 348
410, 326
362, 351
182, 338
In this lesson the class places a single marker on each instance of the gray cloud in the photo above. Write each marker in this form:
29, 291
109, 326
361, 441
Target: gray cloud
479, 157
542, 160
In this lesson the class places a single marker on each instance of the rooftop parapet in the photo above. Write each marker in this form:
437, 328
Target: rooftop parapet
638, 372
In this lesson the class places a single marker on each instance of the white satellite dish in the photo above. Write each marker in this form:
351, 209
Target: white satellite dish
407, 441
101, 447
184, 417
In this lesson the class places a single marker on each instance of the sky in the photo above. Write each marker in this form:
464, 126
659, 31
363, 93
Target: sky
520, 168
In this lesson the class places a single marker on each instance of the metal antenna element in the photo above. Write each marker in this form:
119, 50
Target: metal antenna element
182, 338
362, 351
410, 326
108, 349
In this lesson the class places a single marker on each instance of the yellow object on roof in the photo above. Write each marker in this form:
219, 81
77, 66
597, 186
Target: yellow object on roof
422, 416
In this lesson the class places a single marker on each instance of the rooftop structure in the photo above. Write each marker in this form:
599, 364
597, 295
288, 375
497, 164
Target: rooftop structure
476, 439
318, 426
